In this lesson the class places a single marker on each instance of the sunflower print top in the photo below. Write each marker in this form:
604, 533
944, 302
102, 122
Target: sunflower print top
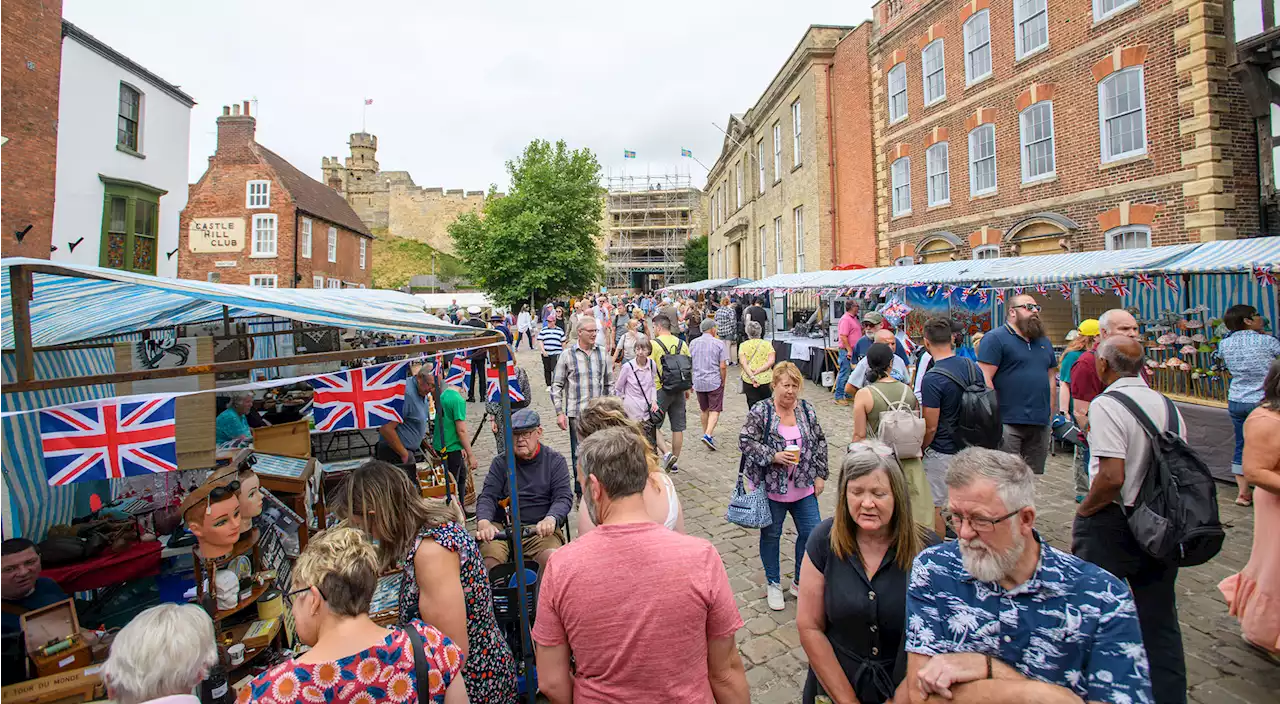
383, 673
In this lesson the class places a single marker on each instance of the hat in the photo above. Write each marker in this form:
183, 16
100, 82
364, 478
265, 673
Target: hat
872, 317
1089, 327
473, 310
524, 420
495, 316
1071, 335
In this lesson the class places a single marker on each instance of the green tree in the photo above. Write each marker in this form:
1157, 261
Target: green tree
695, 259
542, 238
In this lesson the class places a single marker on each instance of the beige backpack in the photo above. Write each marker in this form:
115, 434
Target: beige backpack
901, 428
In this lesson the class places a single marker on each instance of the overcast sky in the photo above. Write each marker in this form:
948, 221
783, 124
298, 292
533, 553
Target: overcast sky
460, 87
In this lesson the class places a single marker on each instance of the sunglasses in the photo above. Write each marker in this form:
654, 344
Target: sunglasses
1030, 307
221, 493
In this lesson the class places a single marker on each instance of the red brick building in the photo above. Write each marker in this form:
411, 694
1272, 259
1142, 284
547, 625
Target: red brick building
253, 218
1030, 127
31, 61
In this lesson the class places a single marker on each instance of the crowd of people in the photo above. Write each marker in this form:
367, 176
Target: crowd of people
930, 581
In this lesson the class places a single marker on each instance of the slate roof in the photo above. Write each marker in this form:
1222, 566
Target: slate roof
314, 197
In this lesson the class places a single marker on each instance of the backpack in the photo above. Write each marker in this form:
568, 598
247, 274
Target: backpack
677, 369
978, 423
900, 427
1176, 515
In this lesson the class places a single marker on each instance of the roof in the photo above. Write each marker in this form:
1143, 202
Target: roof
95, 45
314, 197
72, 303
707, 284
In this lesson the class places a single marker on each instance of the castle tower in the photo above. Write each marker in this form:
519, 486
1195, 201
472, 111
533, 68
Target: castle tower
333, 173
362, 165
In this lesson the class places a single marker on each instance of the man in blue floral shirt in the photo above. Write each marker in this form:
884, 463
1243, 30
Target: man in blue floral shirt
1000, 616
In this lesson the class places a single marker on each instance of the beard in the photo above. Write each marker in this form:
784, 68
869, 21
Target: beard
591, 508
1033, 327
989, 566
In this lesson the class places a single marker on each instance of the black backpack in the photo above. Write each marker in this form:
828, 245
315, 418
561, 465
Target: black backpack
1176, 515
677, 369
978, 422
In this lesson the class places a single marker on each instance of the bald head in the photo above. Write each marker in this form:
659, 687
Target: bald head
1118, 322
885, 336
1118, 357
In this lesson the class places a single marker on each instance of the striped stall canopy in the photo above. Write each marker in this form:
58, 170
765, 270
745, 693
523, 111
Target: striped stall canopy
1229, 256
1060, 268
781, 281
706, 285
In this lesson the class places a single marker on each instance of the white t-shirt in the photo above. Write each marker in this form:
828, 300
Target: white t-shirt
1115, 432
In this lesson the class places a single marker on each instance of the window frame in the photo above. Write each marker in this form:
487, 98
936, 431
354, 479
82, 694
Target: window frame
317, 281
925, 75
1103, 136
894, 94
251, 199
737, 177
904, 261
305, 238
1121, 231
969, 78
135, 122
764, 253
364, 247
973, 164
254, 241
259, 279
894, 186
332, 283
1103, 16
132, 193
760, 163
1022, 143
798, 221
777, 151
332, 245
777, 243
1021, 52
983, 249
945, 174
796, 160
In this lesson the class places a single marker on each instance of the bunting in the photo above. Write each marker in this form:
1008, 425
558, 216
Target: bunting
1145, 280
1265, 275
1118, 285
1065, 290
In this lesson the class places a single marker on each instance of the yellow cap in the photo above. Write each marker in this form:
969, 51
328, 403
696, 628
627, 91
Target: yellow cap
1089, 327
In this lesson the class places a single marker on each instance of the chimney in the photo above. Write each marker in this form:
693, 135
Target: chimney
235, 135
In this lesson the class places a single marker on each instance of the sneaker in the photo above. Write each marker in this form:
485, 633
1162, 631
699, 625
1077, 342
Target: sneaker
795, 589
709, 442
775, 598
669, 463
842, 401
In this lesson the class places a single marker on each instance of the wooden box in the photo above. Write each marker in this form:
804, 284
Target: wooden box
75, 685
52, 623
284, 474
288, 439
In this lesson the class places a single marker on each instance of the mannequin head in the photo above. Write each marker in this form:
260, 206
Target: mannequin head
250, 491
212, 513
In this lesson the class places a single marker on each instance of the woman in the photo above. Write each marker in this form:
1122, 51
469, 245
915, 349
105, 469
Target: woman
881, 392
793, 479
524, 327
1253, 595
161, 655
660, 497
852, 609
1246, 351
444, 582
1085, 340
627, 342
755, 359
353, 659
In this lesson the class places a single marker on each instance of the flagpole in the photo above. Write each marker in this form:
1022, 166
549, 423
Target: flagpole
364, 110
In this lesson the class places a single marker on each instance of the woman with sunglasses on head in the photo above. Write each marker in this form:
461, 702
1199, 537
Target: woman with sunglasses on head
853, 596
445, 582
353, 659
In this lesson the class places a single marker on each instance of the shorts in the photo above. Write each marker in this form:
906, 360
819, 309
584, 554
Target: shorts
533, 545
674, 405
712, 400
935, 469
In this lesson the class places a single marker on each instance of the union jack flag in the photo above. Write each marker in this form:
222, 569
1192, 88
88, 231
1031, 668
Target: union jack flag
1145, 280
108, 440
360, 398
1040, 289
459, 372
982, 295
1000, 295
1018, 291
494, 392
1265, 275
947, 293
1118, 285
1094, 287
964, 294
1065, 290
1172, 283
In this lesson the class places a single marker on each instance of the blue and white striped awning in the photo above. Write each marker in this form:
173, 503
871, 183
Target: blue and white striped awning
1080, 266
85, 302
1229, 257
707, 284
780, 281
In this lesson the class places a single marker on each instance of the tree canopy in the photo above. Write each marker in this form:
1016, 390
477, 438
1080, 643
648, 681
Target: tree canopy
542, 238
695, 259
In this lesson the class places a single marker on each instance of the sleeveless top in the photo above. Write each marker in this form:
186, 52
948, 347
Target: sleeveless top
893, 392
912, 468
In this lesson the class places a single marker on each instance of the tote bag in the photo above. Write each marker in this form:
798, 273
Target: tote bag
749, 509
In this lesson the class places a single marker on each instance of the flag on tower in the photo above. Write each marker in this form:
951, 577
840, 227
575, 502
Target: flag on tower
628, 154
686, 152
368, 101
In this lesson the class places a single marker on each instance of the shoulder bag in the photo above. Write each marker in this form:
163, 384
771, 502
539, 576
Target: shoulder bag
421, 672
653, 419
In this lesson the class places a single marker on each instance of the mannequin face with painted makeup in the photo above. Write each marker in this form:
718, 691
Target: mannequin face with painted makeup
216, 525
250, 497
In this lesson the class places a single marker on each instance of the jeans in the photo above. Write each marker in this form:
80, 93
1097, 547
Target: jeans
1239, 411
1031, 442
805, 517
1105, 540
573, 456
842, 377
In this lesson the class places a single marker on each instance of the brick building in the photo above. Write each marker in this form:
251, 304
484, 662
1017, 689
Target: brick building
253, 218
30, 63
1029, 127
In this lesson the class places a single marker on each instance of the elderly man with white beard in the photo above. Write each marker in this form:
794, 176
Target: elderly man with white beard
999, 616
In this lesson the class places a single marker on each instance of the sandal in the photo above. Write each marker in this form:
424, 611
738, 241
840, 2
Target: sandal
1243, 501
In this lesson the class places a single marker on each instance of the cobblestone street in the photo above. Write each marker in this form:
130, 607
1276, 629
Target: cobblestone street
1221, 668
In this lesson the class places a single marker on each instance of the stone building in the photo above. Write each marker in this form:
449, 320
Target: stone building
254, 218
389, 202
1032, 128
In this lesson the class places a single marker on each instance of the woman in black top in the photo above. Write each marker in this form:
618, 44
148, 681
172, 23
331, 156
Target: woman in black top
853, 594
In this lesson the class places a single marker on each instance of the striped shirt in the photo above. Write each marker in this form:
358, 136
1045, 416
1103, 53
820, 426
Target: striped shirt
1247, 354
579, 377
551, 337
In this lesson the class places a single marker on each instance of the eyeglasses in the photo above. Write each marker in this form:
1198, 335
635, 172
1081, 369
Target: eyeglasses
1030, 307
979, 524
221, 493
289, 597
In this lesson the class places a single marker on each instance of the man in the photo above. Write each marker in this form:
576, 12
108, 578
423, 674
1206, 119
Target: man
850, 331
398, 441
757, 313
668, 309
23, 590
957, 348
478, 356
546, 494
671, 402
1085, 385
727, 327
1119, 451
604, 322
873, 322
710, 370
499, 323
646, 613
550, 344
940, 405
858, 378
452, 310
583, 373
233, 423
1017, 360
1000, 616
451, 438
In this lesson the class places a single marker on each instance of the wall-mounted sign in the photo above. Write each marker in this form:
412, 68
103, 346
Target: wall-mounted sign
216, 235
224, 265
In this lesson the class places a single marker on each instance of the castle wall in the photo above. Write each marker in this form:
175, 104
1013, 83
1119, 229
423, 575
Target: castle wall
424, 214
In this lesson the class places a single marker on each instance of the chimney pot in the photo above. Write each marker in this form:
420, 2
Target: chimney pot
235, 109
246, 107
226, 109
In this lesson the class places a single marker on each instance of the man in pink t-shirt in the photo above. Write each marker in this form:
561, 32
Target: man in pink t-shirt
850, 331
646, 613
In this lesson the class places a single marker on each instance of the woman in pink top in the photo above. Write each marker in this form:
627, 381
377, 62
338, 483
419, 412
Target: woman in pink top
635, 386
793, 479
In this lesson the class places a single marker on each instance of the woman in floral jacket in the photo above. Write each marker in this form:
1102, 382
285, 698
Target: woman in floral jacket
792, 479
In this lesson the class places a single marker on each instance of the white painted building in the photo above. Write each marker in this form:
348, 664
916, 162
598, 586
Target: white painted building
123, 136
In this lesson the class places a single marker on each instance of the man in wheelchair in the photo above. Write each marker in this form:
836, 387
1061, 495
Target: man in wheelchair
546, 494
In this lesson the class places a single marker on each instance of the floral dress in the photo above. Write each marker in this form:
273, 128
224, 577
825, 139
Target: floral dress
378, 674
490, 668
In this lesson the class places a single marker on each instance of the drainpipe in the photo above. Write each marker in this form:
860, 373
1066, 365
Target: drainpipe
295, 247
831, 169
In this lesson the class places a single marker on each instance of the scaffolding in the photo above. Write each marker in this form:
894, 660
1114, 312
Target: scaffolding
648, 222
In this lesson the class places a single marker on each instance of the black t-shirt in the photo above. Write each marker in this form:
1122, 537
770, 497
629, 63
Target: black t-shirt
937, 391
759, 315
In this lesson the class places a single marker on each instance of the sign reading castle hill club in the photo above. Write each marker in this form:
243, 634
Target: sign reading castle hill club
216, 235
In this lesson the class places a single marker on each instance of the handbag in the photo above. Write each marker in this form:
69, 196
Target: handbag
421, 672
749, 509
654, 420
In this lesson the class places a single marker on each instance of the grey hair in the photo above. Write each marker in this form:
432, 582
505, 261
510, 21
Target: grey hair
237, 395
753, 329
618, 458
1013, 479
708, 324
642, 341
165, 650
1106, 319
1111, 351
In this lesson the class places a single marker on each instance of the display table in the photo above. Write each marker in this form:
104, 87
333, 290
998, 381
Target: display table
810, 354
139, 560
